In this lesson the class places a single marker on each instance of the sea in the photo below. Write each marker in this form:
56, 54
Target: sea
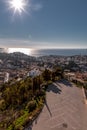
58, 52
46, 52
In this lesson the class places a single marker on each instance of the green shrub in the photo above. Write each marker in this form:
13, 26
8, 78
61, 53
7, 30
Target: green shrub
19, 122
31, 105
42, 93
49, 82
2, 105
10, 127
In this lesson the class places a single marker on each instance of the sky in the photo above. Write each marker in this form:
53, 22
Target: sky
44, 24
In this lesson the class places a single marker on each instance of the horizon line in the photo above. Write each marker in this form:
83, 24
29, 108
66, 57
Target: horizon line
44, 48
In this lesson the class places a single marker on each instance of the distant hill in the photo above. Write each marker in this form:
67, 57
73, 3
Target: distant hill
16, 56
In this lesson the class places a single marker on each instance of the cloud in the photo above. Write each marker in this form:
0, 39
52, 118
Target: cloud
19, 43
29, 36
32, 6
36, 7
23, 43
13, 43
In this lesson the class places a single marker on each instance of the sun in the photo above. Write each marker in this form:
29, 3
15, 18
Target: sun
18, 5
26, 51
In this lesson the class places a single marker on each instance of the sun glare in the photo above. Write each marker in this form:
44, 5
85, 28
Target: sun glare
26, 51
18, 5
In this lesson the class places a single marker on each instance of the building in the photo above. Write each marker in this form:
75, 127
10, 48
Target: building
34, 72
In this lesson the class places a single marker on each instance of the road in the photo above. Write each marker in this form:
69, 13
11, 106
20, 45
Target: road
64, 109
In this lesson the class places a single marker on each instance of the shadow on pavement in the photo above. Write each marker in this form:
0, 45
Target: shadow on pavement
45, 102
54, 88
29, 128
66, 83
48, 108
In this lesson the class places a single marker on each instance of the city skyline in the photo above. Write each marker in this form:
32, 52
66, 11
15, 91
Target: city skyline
43, 24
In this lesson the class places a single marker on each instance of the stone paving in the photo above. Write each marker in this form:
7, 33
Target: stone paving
64, 109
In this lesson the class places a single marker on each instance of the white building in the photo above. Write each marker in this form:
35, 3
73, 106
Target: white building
6, 77
34, 72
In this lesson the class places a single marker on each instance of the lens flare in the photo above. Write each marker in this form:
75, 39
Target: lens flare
18, 5
26, 51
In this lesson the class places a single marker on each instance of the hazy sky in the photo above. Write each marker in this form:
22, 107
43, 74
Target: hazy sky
44, 24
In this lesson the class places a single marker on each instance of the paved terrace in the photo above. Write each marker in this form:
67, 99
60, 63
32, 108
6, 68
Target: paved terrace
64, 109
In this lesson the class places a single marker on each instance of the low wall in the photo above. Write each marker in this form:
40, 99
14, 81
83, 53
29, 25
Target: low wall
84, 95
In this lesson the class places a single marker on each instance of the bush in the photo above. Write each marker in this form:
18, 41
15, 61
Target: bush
2, 105
42, 93
19, 122
10, 127
31, 105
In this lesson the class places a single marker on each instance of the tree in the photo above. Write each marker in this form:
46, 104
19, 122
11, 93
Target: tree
37, 81
47, 75
53, 76
58, 72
